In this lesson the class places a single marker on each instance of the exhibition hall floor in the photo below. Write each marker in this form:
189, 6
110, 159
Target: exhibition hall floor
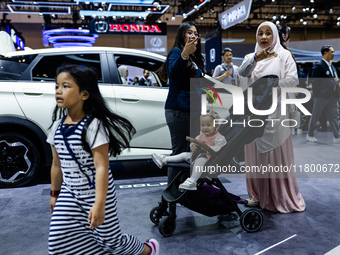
24, 215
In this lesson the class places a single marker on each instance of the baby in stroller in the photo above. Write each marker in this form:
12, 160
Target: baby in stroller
207, 143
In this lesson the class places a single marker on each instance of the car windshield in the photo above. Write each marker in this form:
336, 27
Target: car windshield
11, 68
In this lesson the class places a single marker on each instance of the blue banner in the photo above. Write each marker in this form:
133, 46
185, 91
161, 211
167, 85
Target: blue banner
213, 49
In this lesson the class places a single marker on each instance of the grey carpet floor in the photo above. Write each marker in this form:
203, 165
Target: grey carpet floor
24, 215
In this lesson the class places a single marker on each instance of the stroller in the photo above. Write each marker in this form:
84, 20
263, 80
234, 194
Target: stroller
211, 197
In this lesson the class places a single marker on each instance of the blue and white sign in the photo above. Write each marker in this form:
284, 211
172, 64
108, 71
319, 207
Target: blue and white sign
236, 14
213, 52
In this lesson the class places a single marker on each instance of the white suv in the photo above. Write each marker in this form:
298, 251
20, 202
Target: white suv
27, 100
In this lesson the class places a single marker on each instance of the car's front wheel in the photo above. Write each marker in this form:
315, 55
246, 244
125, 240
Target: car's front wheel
19, 160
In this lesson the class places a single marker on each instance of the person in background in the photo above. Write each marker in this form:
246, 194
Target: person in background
325, 82
284, 34
83, 198
135, 81
273, 191
227, 72
123, 72
145, 80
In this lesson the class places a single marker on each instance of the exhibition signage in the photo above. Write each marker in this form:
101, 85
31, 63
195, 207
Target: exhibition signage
104, 27
213, 52
156, 44
236, 14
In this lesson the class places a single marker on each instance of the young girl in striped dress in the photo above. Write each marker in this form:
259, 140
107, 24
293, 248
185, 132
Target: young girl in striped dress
83, 200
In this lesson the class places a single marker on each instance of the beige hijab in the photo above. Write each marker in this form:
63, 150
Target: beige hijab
270, 65
122, 71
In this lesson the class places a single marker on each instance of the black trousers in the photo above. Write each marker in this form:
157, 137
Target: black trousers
178, 122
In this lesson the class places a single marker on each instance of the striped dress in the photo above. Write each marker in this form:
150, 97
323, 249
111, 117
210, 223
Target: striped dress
69, 228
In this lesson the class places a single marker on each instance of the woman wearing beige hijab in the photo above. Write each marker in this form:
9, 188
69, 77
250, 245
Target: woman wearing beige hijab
123, 71
273, 191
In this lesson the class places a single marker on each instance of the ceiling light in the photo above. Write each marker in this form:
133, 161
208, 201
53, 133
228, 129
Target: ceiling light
274, 18
338, 23
301, 20
304, 23
312, 1
173, 18
315, 16
293, 8
185, 15
331, 10
201, 18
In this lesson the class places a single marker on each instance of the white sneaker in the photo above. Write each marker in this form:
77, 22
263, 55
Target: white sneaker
154, 246
311, 139
251, 202
336, 140
158, 159
188, 185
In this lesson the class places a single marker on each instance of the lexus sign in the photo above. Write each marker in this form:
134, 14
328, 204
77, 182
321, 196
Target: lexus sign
104, 27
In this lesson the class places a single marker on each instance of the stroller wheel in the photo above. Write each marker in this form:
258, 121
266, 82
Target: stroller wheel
156, 215
251, 220
166, 227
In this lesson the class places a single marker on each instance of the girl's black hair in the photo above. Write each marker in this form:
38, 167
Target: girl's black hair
119, 129
179, 43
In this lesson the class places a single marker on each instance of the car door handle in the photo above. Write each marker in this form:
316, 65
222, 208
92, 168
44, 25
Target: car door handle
33, 92
129, 98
